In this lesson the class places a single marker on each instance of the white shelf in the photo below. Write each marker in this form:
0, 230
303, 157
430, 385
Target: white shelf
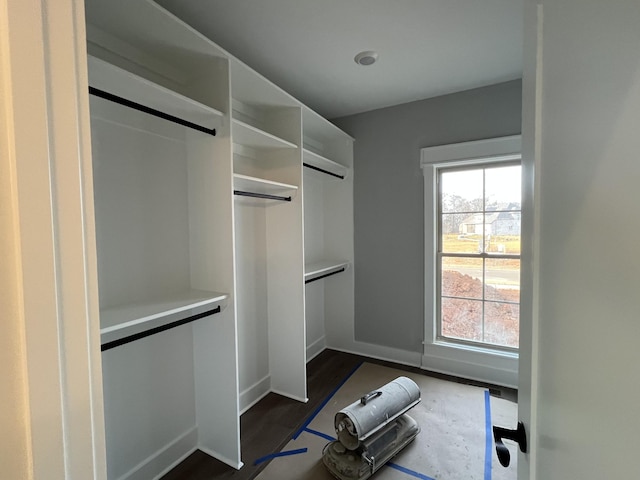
324, 163
122, 83
313, 271
124, 320
250, 136
257, 185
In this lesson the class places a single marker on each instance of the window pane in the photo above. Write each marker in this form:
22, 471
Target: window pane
503, 232
461, 277
462, 319
479, 218
462, 233
502, 324
461, 191
502, 279
502, 187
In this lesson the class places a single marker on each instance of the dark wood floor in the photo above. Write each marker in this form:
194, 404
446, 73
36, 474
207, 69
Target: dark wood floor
272, 422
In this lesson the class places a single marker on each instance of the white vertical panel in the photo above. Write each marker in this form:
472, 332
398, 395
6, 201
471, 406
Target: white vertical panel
528, 350
212, 267
339, 289
285, 274
43, 90
251, 271
587, 307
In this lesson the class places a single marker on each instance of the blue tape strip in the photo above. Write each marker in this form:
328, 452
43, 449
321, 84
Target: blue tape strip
488, 446
284, 453
325, 401
320, 434
409, 472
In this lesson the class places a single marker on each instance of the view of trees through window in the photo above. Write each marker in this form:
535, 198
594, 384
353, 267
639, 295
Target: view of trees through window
479, 213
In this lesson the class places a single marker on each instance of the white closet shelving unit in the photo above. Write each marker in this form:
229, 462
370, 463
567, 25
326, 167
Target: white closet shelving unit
266, 132
214, 204
164, 228
328, 234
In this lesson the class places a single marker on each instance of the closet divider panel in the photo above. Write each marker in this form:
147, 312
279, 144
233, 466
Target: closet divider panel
339, 289
285, 240
212, 266
314, 250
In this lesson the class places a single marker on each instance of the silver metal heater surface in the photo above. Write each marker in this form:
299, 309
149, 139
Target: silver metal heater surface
372, 430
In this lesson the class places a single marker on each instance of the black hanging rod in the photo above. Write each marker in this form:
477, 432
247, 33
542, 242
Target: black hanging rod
324, 276
161, 328
261, 195
313, 167
151, 111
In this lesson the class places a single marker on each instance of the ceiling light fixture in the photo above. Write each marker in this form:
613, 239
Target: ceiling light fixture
366, 58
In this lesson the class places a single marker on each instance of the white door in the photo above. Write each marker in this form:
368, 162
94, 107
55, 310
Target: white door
579, 381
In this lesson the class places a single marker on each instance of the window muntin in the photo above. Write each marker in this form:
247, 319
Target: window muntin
478, 254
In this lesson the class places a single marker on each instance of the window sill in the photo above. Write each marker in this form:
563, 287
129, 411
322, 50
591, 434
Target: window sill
477, 349
469, 361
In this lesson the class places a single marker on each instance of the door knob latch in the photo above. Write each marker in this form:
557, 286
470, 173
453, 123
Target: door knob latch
518, 435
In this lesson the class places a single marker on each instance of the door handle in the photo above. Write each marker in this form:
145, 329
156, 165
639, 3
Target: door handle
518, 435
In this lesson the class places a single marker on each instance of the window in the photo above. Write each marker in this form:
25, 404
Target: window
478, 213
472, 217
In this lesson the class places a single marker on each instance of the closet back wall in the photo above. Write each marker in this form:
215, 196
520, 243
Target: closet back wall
389, 200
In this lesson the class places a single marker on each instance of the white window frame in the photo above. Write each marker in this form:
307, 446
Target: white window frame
477, 362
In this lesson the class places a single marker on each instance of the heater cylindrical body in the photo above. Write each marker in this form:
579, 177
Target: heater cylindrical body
373, 411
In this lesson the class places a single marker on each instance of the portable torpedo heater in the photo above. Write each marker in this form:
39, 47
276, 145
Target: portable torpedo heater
372, 430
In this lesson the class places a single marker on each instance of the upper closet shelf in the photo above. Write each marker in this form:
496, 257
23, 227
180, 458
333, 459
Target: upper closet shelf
244, 185
120, 83
319, 270
250, 136
125, 323
322, 164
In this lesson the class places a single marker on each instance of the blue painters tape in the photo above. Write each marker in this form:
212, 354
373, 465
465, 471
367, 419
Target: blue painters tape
320, 434
409, 472
284, 453
325, 401
488, 436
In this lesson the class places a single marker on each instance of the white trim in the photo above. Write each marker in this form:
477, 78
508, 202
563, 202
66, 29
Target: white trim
148, 468
486, 365
256, 392
532, 89
474, 365
45, 85
380, 352
316, 348
510, 146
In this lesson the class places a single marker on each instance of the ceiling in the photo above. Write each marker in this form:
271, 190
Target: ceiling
426, 48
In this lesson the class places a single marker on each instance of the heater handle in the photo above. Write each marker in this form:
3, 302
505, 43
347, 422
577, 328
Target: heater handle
518, 435
369, 396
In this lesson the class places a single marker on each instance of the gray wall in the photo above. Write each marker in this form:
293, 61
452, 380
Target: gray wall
388, 200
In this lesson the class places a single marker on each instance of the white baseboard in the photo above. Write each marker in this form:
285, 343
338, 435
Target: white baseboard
316, 348
497, 370
160, 462
482, 367
256, 392
380, 352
